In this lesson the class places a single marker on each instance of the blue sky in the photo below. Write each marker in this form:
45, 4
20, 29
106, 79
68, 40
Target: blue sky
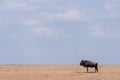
59, 31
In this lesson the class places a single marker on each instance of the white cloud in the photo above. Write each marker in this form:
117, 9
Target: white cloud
14, 6
31, 22
25, 5
99, 31
112, 8
105, 10
72, 14
36, 13
47, 31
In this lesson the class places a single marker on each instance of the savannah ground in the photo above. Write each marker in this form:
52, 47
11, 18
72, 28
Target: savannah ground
58, 72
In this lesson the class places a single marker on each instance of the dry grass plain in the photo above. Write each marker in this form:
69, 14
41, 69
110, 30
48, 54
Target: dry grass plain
58, 72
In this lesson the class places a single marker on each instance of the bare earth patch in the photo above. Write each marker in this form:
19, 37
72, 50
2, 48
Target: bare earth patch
58, 72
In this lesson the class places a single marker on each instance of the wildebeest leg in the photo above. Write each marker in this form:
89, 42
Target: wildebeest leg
87, 69
96, 69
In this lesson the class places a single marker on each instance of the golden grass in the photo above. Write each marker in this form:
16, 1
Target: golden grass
58, 72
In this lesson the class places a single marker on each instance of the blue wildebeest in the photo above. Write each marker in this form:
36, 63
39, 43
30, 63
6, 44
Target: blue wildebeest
87, 63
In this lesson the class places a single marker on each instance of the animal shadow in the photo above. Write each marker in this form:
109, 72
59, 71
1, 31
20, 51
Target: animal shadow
86, 72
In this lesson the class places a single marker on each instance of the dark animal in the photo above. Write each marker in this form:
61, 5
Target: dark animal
87, 63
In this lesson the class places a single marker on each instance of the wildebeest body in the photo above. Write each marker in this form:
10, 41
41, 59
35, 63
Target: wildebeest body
87, 63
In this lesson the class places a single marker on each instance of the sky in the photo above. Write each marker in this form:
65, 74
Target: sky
59, 31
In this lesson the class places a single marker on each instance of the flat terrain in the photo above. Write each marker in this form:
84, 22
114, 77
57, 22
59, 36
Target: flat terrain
58, 72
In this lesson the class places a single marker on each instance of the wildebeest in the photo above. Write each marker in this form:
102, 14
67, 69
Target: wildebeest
87, 64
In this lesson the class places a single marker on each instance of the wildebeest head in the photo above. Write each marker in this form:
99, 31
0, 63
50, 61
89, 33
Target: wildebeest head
82, 62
